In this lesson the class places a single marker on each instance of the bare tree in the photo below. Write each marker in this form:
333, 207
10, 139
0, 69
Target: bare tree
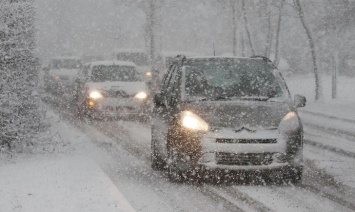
300, 11
269, 33
247, 28
150, 8
234, 26
277, 57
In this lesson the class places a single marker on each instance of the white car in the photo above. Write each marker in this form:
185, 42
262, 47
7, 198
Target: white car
61, 74
111, 89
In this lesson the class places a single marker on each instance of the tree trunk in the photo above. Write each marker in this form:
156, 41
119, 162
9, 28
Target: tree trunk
234, 27
269, 36
318, 90
277, 57
247, 28
151, 27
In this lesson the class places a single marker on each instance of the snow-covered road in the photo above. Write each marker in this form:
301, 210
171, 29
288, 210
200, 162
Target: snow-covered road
324, 188
328, 182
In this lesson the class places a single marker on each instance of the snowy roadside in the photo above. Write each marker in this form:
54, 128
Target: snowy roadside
65, 177
341, 107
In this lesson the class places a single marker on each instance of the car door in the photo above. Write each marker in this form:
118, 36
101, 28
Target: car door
162, 112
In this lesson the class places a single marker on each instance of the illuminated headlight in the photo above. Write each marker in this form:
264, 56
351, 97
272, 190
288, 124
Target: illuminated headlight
141, 95
289, 123
95, 95
193, 121
148, 74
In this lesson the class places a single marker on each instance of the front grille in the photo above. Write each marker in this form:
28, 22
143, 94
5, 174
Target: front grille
246, 141
244, 159
125, 108
116, 94
118, 108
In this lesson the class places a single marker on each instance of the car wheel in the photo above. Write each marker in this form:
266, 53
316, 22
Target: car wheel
293, 175
157, 162
174, 172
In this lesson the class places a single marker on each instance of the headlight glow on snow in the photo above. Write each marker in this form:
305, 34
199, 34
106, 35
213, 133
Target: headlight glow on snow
95, 95
193, 121
141, 95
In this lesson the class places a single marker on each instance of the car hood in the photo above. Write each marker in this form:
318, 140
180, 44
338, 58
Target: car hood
251, 115
64, 72
129, 88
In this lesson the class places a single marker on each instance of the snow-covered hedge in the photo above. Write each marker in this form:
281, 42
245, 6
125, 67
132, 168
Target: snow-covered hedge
20, 107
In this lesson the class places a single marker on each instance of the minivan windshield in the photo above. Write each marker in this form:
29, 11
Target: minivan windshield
103, 73
65, 64
231, 78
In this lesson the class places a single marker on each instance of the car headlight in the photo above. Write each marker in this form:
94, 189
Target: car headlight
193, 121
95, 95
141, 95
289, 123
148, 73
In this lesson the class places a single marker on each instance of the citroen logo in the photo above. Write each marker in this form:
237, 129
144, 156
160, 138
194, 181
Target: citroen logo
244, 128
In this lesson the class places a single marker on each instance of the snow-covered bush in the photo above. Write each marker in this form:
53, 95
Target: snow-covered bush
20, 106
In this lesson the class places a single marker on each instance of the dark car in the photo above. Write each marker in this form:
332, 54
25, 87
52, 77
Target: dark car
60, 76
221, 113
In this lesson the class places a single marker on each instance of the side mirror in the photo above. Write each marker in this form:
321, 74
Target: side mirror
158, 100
299, 101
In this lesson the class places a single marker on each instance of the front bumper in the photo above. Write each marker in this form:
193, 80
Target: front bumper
114, 107
229, 150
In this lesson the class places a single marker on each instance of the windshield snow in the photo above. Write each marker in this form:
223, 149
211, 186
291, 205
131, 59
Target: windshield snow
114, 73
66, 64
231, 78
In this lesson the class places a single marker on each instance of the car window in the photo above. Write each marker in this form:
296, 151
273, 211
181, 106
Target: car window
83, 72
233, 78
102, 73
65, 64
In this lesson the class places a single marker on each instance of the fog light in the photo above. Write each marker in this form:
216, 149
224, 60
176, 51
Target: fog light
91, 103
280, 157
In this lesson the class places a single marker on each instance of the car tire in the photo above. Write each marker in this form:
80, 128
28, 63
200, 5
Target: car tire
174, 173
293, 175
157, 162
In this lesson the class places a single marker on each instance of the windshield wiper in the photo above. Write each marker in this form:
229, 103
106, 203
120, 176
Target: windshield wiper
228, 98
210, 99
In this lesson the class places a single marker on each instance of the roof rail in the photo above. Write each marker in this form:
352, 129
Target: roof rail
265, 59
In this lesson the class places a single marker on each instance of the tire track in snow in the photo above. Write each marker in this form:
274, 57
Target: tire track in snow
224, 193
321, 183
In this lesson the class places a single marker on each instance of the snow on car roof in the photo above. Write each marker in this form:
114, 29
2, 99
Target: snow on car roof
130, 50
221, 57
66, 58
175, 53
112, 62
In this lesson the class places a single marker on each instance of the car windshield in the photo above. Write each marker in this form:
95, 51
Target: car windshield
237, 78
114, 73
65, 64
